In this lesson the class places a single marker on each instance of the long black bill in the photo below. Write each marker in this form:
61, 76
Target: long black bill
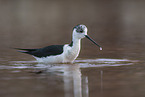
93, 41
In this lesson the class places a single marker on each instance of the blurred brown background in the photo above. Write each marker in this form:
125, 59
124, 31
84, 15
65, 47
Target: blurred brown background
114, 24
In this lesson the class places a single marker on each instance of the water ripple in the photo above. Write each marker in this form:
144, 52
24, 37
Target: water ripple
83, 63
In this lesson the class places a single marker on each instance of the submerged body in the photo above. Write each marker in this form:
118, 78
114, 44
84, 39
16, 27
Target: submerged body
61, 53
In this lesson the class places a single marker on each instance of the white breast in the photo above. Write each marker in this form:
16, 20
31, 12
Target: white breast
71, 53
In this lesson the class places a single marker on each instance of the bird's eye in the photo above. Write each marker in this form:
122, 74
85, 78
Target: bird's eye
79, 30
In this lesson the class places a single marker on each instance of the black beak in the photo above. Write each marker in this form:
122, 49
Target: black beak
93, 41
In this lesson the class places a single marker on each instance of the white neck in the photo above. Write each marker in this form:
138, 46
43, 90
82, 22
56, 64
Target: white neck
76, 43
73, 49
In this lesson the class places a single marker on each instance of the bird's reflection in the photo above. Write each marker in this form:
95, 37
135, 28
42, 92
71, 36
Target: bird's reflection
75, 84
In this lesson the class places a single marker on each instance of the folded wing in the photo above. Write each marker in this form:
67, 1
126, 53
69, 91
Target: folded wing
43, 52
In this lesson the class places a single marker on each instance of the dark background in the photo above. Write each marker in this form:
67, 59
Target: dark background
117, 25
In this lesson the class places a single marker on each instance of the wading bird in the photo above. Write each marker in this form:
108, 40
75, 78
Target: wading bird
61, 53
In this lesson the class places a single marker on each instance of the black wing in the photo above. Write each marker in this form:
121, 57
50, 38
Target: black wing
44, 52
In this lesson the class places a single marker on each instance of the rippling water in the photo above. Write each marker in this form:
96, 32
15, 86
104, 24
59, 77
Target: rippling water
71, 80
84, 63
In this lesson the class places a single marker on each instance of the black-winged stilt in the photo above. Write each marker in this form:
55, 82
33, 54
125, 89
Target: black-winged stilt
61, 53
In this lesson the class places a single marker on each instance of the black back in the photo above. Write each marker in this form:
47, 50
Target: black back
44, 52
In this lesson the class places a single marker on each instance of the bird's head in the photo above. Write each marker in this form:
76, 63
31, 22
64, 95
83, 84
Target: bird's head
80, 31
